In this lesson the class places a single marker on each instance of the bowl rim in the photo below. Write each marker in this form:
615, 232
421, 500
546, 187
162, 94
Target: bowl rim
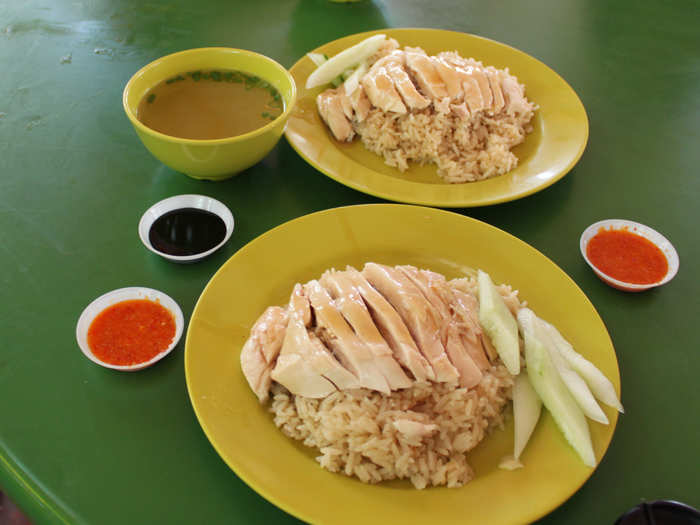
104, 301
659, 240
201, 142
187, 200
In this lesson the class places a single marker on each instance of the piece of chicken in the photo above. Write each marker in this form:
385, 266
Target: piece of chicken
484, 85
360, 104
465, 82
260, 351
417, 313
469, 373
469, 68
472, 95
514, 95
452, 329
349, 301
395, 64
461, 110
332, 105
299, 305
321, 358
450, 76
465, 314
461, 288
392, 328
414, 430
335, 332
423, 283
381, 91
423, 70
495, 83
297, 367
467, 310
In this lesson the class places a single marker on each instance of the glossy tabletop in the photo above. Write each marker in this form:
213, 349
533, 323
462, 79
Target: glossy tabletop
82, 444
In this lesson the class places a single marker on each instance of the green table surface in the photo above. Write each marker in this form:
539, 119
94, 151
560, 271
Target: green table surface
82, 444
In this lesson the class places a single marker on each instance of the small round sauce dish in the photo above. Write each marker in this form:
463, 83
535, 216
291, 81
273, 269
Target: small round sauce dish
661, 512
129, 329
628, 255
186, 228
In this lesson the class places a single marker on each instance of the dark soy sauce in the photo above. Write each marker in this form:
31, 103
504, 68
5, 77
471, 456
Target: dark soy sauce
187, 231
662, 512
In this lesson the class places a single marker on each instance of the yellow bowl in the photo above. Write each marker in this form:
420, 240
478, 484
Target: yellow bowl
210, 159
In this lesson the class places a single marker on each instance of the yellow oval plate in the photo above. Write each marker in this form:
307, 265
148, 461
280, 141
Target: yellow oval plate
548, 153
282, 470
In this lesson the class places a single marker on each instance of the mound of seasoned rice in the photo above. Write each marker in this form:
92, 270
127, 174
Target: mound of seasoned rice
463, 150
420, 433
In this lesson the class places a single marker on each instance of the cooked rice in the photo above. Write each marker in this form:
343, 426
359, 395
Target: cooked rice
355, 432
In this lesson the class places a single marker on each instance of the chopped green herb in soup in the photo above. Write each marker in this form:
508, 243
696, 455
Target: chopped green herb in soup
210, 104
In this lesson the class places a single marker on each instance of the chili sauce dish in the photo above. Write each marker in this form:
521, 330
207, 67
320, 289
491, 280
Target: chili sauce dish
186, 228
628, 255
130, 328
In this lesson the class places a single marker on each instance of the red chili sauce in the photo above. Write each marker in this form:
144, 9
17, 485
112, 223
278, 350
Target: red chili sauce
131, 332
627, 257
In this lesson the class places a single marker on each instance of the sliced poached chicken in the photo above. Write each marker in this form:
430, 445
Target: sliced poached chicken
260, 351
335, 332
392, 328
417, 313
401, 81
452, 329
384, 328
349, 301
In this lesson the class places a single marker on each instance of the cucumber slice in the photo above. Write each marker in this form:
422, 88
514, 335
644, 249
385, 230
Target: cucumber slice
576, 385
353, 81
526, 412
600, 386
346, 74
317, 58
552, 390
498, 323
344, 60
